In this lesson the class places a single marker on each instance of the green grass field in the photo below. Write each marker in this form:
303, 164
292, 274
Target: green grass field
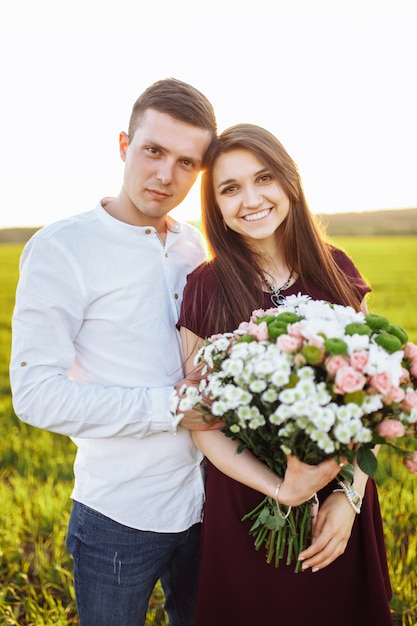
36, 467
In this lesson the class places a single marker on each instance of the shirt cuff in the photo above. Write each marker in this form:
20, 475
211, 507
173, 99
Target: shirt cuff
165, 419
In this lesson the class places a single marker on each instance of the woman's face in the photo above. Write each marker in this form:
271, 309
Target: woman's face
250, 198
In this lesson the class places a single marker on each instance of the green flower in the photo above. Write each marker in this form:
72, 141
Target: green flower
398, 331
377, 322
245, 339
356, 397
389, 342
357, 328
277, 328
288, 317
335, 346
313, 354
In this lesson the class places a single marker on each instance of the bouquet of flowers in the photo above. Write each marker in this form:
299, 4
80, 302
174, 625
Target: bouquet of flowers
314, 380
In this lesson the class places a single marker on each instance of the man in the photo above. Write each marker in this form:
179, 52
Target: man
96, 356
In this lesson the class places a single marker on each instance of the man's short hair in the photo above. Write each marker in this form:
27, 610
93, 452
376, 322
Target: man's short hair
178, 99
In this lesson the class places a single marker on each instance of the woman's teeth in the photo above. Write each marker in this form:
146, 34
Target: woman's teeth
256, 216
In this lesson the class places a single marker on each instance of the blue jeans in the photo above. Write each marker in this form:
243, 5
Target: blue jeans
116, 568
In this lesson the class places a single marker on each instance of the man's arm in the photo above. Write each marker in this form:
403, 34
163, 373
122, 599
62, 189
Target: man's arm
49, 312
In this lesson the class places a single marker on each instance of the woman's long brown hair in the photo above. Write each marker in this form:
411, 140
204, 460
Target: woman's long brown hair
236, 265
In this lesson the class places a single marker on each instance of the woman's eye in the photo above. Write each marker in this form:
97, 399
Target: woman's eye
265, 178
229, 189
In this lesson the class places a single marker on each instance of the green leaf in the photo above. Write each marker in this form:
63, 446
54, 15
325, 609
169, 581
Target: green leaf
367, 461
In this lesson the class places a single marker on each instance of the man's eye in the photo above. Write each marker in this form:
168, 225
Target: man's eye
153, 150
188, 164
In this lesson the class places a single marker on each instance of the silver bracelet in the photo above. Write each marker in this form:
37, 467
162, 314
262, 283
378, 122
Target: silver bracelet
280, 513
353, 497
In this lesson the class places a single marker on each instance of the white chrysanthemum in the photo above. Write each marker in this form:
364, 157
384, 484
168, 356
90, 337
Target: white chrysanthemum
218, 408
305, 389
302, 422
256, 422
412, 417
281, 376
301, 407
323, 397
287, 430
362, 434
244, 413
264, 367
187, 402
235, 396
306, 373
232, 367
372, 403
322, 419
342, 432
257, 386
323, 441
287, 396
280, 415
270, 395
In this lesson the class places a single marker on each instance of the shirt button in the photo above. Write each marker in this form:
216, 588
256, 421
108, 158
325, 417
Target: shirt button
166, 254
176, 296
23, 363
148, 231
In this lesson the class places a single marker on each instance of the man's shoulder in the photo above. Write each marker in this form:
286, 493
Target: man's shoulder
66, 225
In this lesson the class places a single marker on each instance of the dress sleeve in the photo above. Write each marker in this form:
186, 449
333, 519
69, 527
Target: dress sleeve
197, 293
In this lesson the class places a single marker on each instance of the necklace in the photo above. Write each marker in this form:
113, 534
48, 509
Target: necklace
276, 297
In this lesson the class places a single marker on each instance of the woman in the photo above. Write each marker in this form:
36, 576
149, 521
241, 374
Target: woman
266, 245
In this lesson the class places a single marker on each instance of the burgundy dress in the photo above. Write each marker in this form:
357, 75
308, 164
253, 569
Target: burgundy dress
236, 585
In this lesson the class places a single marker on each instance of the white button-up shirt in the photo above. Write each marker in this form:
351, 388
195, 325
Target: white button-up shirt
95, 355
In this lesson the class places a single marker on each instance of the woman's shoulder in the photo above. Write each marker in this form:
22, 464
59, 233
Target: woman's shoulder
202, 275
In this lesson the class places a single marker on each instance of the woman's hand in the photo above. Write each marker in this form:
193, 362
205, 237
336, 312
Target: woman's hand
301, 481
331, 532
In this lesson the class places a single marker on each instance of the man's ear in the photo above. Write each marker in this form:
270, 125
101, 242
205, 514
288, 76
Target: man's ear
123, 143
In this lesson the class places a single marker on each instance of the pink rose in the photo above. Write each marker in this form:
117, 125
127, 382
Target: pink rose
381, 383
391, 429
359, 359
395, 394
347, 380
413, 368
257, 313
410, 350
299, 360
334, 363
288, 344
295, 330
259, 331
411, 463
405, 376
410, 400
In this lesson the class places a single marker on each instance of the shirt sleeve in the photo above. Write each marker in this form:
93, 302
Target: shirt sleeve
349, 268
48, 314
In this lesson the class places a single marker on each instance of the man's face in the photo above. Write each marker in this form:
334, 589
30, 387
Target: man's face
162, 162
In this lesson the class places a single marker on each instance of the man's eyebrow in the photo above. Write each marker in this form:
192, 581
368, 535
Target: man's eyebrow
182, 157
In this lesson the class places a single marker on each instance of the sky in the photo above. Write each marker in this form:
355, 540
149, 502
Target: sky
334, 80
